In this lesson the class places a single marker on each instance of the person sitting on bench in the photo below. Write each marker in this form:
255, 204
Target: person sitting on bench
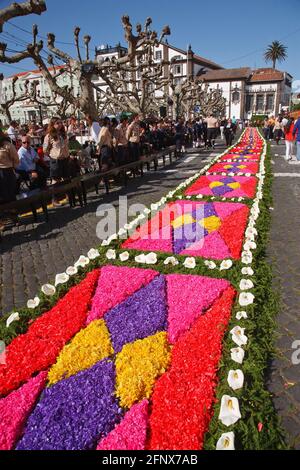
28, 170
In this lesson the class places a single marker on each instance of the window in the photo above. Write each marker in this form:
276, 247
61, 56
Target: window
158, 55
178, 70
249, 103
270, 102
236, 97
260, 103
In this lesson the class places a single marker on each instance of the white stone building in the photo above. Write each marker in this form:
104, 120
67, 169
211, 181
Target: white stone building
263, 91
28, 110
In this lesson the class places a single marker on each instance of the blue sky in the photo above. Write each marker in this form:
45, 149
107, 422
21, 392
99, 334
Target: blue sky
233, 33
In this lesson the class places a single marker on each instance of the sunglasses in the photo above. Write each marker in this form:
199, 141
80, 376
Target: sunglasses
25, 142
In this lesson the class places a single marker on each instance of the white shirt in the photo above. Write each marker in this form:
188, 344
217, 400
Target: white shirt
12, 133
95, 131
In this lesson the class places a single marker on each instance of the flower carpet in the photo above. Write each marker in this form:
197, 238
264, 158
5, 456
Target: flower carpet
224, 186
124, 352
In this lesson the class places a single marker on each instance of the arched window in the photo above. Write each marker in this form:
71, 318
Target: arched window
236, 97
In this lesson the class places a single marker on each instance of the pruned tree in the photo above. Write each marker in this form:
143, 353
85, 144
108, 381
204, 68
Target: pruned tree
21, 9
31, 93
121, 76
191, 93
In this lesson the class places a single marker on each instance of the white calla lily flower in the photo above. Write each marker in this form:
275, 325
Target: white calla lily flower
105, 243
241, 315
71, 271
210, 264
151, 258
238, 336
82, 262
33, 303
61, 279
236, 379
230, 411
124, 256
111, 254
247, 272
246, 298
48, 290
251, 231
237, 355
250, 245
12, 318
246, 284
93, 254
171, 260
247, 257
140, 259
190, 263
154, 207
226, 264
226, 442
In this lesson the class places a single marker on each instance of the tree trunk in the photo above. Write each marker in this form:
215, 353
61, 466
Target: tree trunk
87, 101
274, 64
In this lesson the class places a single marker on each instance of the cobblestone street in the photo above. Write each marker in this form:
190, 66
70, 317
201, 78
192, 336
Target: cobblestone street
285, 255
32, 254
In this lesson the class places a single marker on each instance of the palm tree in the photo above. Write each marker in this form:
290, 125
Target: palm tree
276, 51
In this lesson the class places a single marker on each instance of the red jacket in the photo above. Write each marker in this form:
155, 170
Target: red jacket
289, 135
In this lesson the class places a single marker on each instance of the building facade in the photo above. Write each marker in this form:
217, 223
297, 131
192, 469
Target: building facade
247, 92
263, 91
28, 110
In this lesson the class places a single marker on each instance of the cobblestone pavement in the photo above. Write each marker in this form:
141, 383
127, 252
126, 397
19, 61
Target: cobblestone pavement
32, 254
284, 252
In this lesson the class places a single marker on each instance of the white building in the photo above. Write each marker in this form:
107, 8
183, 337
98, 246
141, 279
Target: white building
249, 92
28, 110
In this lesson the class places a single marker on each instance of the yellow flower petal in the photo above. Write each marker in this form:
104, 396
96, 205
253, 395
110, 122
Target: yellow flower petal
138, 366
182, 220
234, 185
215, 184
211, 223
89, 346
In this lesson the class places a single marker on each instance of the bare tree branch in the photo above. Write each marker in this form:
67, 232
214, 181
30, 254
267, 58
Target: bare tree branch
21, 9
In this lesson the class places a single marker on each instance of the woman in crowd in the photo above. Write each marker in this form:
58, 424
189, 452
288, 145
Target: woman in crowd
277, 130
9, 161
56, 147
289, 139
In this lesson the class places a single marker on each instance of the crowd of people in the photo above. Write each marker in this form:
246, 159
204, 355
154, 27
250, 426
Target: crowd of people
33, 157
284, 128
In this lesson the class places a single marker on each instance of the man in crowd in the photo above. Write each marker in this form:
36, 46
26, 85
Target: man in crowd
28, 170
212, 127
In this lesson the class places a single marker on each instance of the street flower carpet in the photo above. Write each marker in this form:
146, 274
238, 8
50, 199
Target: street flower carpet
159, 338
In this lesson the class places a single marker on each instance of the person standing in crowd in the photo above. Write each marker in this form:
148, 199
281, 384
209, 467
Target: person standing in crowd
94, 128
296, 135
56, 147
229, 132
105, 146
266, 129
180, 136
12, 132
277, 130
289, 138
133, 135
212, 127
122, 142
9, 161
28, 169
222, 127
